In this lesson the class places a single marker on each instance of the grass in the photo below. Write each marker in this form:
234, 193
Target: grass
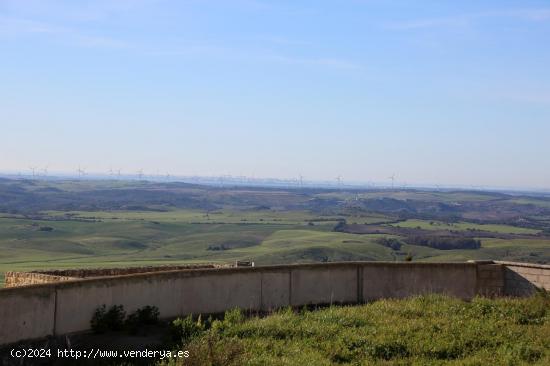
135, 238
199, 216
426, 330
463, 226
446, 197
122, 238
520, 250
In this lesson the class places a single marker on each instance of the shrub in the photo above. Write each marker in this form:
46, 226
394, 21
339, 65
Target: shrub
392, 243
104, 320
213, 350
340, 226
388, 350
535, 309
444, 243
186, 329
147, 315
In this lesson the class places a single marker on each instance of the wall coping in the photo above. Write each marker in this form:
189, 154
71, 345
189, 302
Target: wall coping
216, 271
97, 272
522, 264
39, 274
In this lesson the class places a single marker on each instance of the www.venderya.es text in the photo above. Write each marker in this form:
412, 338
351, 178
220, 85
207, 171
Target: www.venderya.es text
95, 353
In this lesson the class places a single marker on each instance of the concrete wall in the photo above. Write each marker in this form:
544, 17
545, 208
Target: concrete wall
393, 280
65, 307
26, 313
490, 279
521, 279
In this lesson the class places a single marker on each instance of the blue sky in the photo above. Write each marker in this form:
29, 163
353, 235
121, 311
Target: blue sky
442, 92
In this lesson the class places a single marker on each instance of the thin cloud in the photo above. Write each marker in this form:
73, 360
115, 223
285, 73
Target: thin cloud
466, 20
13, 27
325, 62
430, 23
283, 41
16, 27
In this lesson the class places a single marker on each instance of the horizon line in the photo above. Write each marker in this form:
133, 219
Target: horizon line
242, 180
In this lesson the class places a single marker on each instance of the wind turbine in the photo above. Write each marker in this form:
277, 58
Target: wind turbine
140, 173
301, 177
392, 178
33, 170
339, 180
81, 171
45, 170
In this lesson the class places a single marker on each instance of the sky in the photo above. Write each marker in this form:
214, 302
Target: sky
436, 92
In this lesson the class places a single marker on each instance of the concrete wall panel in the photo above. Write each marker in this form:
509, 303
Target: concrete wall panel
77, 301
388, 280
26, 313
275, 290
323, 285
216, 293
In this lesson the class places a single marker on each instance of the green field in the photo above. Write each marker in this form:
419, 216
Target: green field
462, 226
80, 223
144, 238
427, 330
122, 238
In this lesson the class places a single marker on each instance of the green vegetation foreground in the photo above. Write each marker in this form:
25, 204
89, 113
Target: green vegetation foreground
427, 330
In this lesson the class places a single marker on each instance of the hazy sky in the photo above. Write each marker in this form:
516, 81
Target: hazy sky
448, 92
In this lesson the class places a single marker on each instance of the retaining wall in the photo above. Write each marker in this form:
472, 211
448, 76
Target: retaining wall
522, 279
37, 311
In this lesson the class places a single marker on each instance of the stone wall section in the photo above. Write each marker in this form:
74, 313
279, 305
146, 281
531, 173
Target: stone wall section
17, 279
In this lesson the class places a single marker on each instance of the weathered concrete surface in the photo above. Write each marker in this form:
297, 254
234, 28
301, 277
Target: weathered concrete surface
323, 285
77, 301
490, 280
275, 289
26, 313
522, 279
174, 293
216, 293
393, 280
